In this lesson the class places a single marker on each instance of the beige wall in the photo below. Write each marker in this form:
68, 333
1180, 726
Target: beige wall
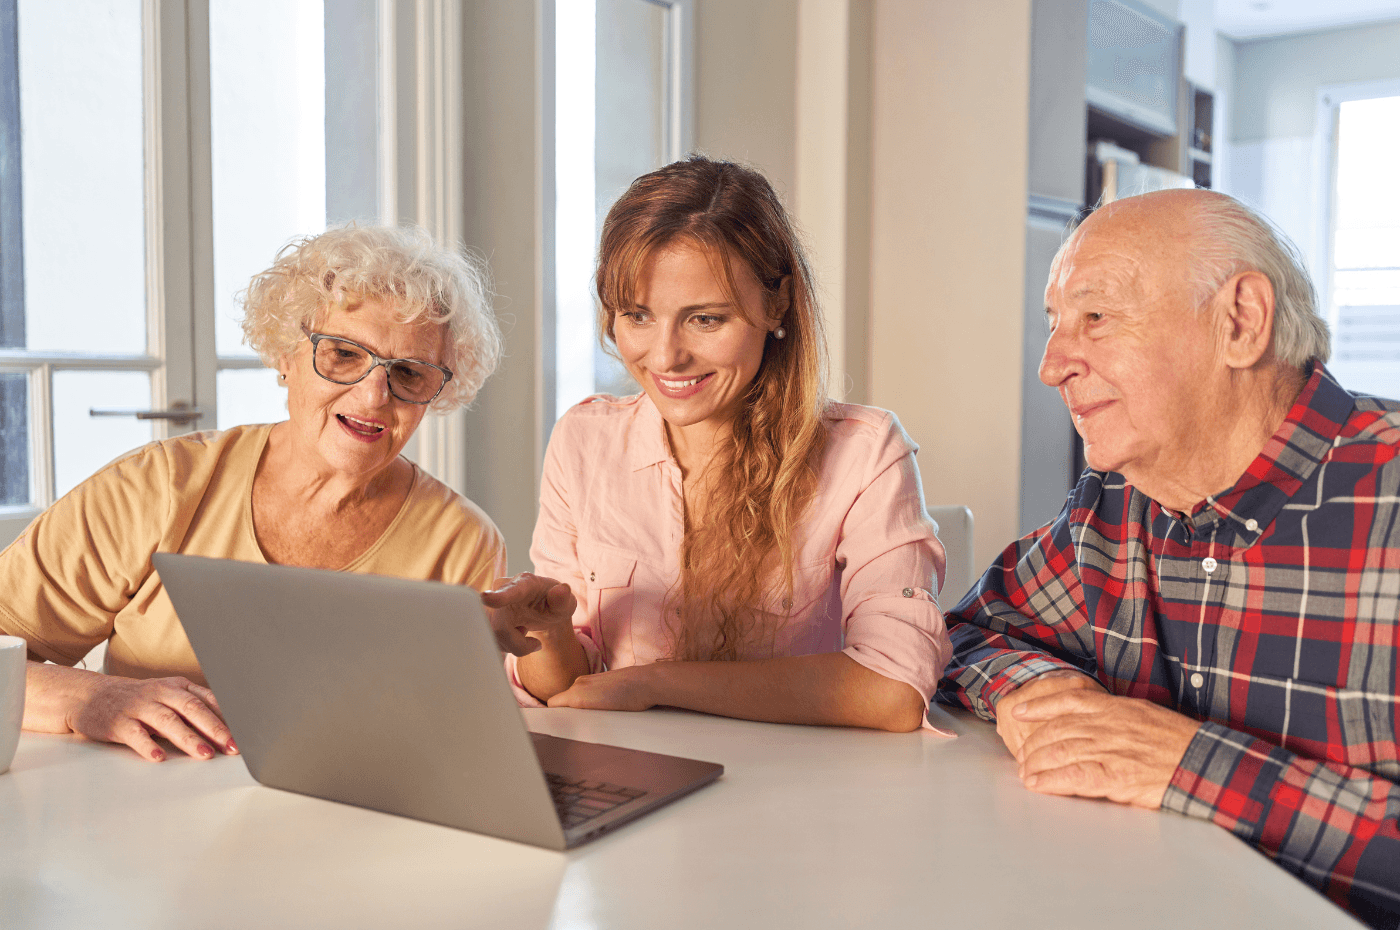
746, 91
949, 162
897, 133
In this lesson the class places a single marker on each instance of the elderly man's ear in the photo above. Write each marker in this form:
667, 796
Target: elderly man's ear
1248, 310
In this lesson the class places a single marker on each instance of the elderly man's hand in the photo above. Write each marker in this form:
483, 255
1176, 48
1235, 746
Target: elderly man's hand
1013, 730
1100, 745
527, 609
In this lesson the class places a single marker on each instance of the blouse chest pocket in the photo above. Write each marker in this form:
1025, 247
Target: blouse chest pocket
607, 576
809, 620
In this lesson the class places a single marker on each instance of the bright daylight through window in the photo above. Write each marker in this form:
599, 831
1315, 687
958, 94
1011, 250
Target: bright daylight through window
1365, 298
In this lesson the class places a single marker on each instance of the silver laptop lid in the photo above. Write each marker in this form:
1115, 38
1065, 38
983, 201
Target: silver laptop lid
403, 708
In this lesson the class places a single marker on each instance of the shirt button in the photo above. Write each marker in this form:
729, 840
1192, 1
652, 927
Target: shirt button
1209, 564
1197, 679
908, 592
787, 603
1251, 524
592, 576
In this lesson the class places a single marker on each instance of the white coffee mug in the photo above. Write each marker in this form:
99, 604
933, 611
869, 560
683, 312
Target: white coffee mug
12, 670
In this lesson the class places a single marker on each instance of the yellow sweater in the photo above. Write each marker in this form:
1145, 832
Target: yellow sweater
81, 572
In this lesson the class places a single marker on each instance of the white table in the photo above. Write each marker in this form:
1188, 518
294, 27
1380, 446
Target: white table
809, 828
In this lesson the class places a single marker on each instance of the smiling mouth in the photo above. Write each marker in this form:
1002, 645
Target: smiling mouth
1088, 410
362, 427
681, 388
681, 385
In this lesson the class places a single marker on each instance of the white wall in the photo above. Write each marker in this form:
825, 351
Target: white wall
1274, 108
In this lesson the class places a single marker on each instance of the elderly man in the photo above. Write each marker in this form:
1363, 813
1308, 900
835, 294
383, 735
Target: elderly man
1210, 625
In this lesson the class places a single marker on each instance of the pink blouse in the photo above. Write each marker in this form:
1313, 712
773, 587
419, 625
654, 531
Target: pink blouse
611, 522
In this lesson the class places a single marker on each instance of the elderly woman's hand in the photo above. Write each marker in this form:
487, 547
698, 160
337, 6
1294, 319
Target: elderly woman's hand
112, 709
528, 610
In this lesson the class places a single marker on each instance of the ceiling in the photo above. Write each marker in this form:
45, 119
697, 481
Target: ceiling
1253, 19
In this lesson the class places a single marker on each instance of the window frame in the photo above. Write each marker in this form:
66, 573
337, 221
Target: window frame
175, 130
678, 92
1330, 98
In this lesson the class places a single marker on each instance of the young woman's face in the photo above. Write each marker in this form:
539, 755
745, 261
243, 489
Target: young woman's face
686, 341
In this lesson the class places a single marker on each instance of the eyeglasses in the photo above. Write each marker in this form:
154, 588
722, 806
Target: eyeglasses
345, 362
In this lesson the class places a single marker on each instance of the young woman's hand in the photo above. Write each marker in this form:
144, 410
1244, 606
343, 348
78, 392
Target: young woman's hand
622, 689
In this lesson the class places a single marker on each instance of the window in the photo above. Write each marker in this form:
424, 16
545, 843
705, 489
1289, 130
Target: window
1361, 281
620, 110
267, 106
152, 157
75, 327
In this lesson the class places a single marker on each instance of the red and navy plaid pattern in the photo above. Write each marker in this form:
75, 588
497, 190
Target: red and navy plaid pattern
1272, 611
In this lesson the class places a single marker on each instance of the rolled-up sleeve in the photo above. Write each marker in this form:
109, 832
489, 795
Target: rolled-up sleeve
891, 566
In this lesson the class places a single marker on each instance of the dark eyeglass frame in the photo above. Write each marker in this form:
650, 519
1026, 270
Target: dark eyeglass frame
375, 362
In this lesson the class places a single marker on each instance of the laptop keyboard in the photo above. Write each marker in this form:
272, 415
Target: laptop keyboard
580, 801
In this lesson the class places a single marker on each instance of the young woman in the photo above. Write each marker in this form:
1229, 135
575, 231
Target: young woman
729, 540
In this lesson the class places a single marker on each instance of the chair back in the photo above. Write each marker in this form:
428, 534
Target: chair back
955, 532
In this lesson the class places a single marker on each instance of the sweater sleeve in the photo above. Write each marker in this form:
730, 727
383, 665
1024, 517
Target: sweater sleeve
81, 561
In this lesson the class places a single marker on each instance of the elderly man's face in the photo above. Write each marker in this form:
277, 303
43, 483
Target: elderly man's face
1133, 359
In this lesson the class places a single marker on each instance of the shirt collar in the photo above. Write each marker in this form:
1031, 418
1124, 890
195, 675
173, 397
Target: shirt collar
1288, 459
649, 444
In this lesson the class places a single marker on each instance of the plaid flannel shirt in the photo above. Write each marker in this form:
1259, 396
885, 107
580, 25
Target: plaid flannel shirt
1271, 611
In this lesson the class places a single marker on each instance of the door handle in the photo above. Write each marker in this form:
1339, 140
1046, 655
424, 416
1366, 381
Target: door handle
179, 412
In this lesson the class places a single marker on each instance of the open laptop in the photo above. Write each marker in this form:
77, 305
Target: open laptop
390, 694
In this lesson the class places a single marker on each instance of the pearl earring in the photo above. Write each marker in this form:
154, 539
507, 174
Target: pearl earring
779, 333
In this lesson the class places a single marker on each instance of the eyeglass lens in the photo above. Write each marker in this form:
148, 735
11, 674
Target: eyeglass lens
345, 363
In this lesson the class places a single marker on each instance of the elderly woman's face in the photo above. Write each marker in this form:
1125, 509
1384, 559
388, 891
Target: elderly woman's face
359, 429
691, 348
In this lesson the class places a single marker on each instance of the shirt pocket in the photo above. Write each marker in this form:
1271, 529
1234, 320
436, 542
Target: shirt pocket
1341, 725
608, 575
809, 621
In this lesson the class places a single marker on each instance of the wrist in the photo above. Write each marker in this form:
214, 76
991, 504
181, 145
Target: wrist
652, 680
555, 638
56, 694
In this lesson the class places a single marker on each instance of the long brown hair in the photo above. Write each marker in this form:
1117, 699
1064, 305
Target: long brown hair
740, 559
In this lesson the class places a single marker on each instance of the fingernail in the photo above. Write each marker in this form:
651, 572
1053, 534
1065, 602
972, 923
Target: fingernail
158, 755
204, 751
230, 748
1032, 781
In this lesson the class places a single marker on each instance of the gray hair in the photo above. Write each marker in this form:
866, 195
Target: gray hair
1235, 238
1232, 238
401, 265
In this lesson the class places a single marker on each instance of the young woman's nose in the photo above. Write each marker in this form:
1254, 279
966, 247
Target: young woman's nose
668, 349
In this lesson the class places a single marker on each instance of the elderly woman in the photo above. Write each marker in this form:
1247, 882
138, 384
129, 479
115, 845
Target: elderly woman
368, 327
729, 540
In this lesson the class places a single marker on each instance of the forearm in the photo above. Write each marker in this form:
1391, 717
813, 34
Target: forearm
987, 666
553, 667
1334, 826
830, 689
53, 694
